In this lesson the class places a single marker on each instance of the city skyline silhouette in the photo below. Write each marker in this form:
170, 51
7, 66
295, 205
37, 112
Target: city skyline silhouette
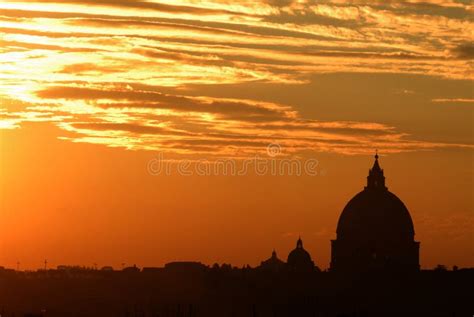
376, 174
218, 158
373, 256
373, 216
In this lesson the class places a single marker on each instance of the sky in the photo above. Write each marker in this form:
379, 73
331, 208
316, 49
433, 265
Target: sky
115, 117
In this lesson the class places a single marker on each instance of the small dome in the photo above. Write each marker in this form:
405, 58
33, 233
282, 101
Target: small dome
272, 264
299, 259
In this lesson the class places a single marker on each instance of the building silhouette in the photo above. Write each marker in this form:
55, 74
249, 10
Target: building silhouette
299, 260
375, 234
375, 231
273, 264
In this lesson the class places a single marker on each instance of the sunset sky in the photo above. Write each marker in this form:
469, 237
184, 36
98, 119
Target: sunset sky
93, 91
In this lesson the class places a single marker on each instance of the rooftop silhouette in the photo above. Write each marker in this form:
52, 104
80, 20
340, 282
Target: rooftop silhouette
373, 256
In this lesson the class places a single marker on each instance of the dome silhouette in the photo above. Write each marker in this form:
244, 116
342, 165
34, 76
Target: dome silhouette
299, 259
273, 264
375, 231
375, 214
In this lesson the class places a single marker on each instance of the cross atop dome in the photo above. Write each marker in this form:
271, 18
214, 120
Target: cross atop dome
376, 179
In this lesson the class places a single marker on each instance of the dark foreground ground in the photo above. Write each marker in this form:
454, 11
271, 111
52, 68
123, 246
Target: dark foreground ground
232, 292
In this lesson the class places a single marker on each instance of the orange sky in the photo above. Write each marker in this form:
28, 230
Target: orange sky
91, 92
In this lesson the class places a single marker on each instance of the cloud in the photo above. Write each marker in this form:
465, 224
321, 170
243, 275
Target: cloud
122, 74
152, 120
155, 100
89, 67
38, 46
453, 100
137, 4
126, 127
279, 3
464, 51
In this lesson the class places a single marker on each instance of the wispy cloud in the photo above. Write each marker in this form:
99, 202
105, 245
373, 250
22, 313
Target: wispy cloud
85, 70
453, 100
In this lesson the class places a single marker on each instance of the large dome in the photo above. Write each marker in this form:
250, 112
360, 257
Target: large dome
375, 214
375, 231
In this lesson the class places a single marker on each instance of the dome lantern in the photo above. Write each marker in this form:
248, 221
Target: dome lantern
376, 179
299, 243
